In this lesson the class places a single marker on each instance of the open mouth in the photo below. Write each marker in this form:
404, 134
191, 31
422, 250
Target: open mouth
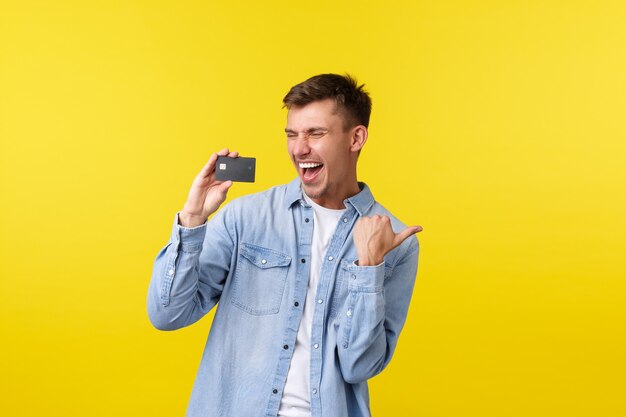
310, 170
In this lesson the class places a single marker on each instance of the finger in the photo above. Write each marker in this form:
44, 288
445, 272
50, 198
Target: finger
226, 185
233, 154
209, 166
222, 189
409, 231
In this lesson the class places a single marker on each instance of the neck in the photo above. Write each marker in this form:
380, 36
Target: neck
335, 201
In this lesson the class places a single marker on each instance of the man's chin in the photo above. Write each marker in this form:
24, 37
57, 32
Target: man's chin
313, 191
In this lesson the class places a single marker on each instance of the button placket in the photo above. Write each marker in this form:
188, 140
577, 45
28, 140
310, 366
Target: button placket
338, 241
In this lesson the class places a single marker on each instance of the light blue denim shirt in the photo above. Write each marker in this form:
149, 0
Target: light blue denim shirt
252, 259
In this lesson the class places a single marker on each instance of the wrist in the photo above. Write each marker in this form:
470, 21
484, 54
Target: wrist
368, 261
190, 220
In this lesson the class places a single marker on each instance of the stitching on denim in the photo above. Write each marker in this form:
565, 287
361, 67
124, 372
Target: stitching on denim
281, 270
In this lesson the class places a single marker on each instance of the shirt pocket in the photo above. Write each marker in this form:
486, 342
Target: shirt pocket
346, 271
259, 280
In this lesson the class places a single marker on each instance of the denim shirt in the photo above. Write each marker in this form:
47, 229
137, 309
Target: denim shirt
252, 261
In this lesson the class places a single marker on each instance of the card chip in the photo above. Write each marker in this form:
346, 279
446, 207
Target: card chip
222, 167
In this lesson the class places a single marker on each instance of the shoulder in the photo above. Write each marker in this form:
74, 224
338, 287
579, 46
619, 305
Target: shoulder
378, 209
255, 204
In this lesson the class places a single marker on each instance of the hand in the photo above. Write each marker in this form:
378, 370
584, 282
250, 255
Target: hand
374, 238
206, 194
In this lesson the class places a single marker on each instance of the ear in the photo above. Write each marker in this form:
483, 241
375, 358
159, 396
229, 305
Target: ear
358, 139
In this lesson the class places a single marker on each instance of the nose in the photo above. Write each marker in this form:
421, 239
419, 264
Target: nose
301, 146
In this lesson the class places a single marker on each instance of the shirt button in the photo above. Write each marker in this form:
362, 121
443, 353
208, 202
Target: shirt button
263, 261
353, 276
296, 304
320, 301
306, 220
286, 347
316, 346
303, 260
330, 258
349, 313
345, 220
314, 391
275, 391
171, 271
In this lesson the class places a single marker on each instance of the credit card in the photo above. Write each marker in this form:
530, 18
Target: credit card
235, 169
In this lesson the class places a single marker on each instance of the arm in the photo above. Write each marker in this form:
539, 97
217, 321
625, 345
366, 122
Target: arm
189, 272
188, 275
376, 308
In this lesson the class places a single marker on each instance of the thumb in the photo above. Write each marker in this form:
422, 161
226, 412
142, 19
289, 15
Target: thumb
222, 189
409, 231
225, 186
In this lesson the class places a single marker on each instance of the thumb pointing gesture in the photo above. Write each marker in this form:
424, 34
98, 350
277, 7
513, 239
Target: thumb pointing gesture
374, 238
403, 235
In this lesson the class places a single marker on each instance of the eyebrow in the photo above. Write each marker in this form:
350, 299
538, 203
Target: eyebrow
309, 130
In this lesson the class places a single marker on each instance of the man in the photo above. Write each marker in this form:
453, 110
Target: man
311, 282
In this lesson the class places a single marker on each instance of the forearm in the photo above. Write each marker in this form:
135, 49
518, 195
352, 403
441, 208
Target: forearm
373, 316
362, 339
172, 291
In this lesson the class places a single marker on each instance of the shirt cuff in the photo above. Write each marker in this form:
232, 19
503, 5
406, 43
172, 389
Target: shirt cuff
190, 237
367, 277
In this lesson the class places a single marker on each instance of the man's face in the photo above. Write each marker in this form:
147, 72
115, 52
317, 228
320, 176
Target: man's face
322, 152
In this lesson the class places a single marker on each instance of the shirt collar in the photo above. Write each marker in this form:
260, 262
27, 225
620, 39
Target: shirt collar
361, 201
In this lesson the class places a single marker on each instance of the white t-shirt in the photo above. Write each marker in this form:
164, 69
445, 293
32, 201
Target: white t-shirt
296, 400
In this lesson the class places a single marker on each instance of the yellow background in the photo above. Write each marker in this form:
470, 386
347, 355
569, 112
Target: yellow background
498, 126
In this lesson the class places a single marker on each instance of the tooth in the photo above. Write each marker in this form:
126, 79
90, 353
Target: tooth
309, 165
